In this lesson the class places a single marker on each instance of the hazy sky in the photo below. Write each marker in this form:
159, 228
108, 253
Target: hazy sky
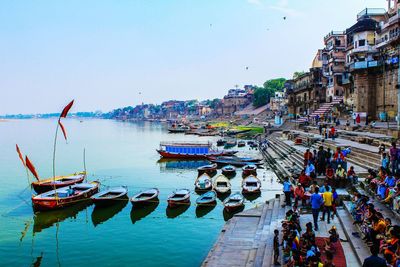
103, 53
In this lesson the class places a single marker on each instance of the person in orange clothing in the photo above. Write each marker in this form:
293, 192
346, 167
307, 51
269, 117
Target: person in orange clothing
332, 132
299, 195
307, 157
304, 179
330, 174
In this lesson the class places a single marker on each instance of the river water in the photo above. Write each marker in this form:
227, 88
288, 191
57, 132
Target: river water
117, 153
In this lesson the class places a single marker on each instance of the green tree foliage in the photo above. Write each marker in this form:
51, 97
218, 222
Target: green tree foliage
297, 74
263, 94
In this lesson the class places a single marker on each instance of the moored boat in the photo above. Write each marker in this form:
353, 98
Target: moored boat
234, 202
179, 197
203, 182
45, 185
207, 199
251, 184
249, 170
110, 196
178, 128
221, 142
65, 196
190, 150
145, 197
222, 184
241, 144
230, 144
209, 169
229, 170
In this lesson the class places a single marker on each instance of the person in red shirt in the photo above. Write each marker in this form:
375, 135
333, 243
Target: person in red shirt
307, 157
330, 173
299, 195
333, 132
304, 179
351, 175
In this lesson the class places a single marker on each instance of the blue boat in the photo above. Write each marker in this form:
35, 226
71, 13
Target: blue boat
207, 199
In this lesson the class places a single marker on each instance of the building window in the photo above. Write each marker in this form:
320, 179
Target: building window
337, 42
361, 42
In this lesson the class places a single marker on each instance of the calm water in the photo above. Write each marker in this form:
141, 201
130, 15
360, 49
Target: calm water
116, 154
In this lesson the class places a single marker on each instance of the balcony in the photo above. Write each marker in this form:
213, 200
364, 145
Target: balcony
364, 49
372, 12
386, 39
334, 33
364, 65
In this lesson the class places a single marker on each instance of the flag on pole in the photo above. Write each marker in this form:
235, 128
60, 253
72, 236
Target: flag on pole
63, 130
30, 166
64, 113
20, 155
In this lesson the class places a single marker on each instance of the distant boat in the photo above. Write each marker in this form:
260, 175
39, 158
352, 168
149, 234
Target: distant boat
179, 197
58, 182
236, 158
203, 182
234, 202
249, 170
207, 199
145, 197
241, 144
190, 150
65, 196
178, 128
232, 132
221, 142
222, 184
251, 184
230, 144
209, 169
110, 196
229, 170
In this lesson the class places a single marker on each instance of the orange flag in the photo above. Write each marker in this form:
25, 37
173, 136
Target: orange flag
63, 130
64, 113
30, 166
20, 155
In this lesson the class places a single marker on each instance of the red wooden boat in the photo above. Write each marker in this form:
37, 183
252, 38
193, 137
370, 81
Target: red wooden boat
249, 170
234, 202
42, 186
190, 150
251, 185
65, 196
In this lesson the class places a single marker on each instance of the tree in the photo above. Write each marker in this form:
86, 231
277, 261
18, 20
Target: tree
263, 94
297, 74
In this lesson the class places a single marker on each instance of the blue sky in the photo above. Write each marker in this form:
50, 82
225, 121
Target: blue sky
108, 54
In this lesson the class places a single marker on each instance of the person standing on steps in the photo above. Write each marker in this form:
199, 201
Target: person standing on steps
328, 200
316, 203
276, 247
287, 190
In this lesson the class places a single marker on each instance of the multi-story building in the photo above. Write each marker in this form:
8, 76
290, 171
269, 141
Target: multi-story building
333, 58
237, 99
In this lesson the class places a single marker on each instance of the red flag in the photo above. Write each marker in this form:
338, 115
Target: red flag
20, 155
63, 130
66, 109
30, 166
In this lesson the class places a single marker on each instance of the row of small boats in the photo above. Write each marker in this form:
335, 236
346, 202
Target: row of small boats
228, 170
221, 184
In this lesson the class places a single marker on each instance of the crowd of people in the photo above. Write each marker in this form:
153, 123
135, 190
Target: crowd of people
378, 232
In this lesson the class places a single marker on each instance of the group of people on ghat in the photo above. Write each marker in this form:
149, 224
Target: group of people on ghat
378, 232
300, 249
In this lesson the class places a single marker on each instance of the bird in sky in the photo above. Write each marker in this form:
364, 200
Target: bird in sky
284, 18
247, 68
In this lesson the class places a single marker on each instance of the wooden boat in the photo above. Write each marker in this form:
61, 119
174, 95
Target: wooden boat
110, 196
241, 144
179, 197
190, 150
207, 199
222, 184
58, 182
203, 182
208, 169
178, 128
229, 170
235, 163
230, 144
234, 202
145, 197
221, 142
249, 170
236, 158
251, 184
65, 196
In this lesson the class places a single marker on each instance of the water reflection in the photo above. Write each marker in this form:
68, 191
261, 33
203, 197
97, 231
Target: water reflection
252, 197
102, 214
37, 261
176, 211
222, 197
203, 210
139, 212
229, 215
44, 220
172, 165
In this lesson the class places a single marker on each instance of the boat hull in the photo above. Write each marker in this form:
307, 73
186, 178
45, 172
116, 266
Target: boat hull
233, 208
49, 184
174, 203
166, 154
44, 204
108, 202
